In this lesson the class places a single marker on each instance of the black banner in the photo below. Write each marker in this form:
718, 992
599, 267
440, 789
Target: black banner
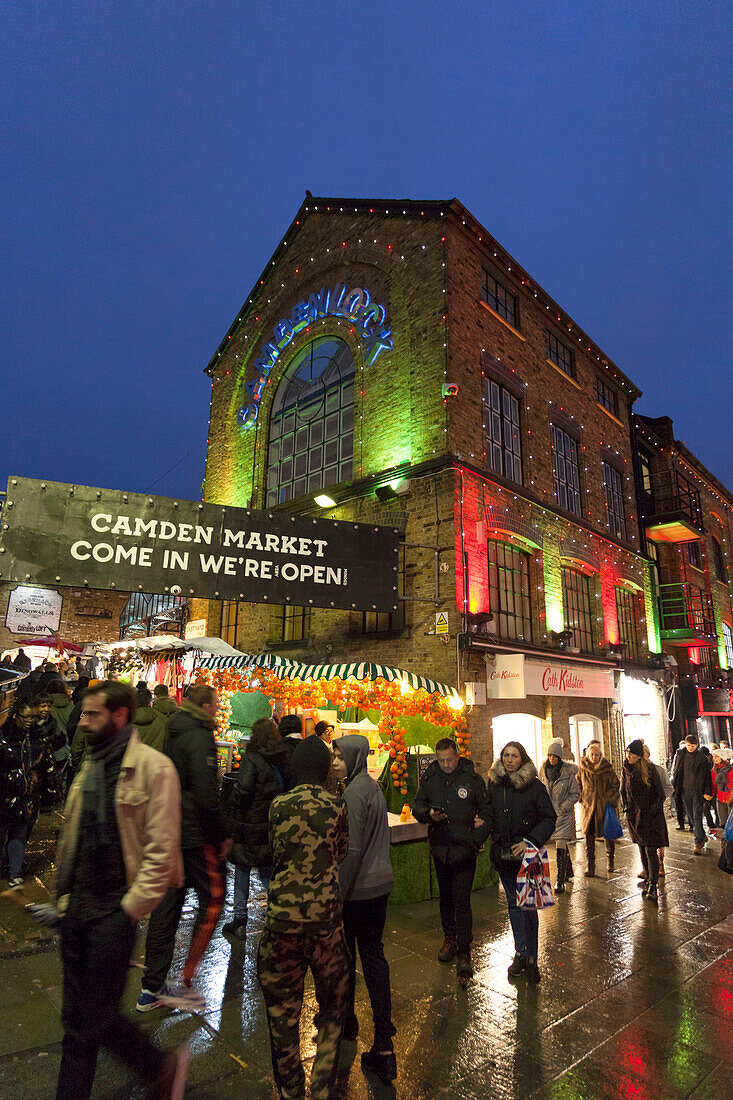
78, 536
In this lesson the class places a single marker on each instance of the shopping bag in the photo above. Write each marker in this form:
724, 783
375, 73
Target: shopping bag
534, 887
611, 825
728, 831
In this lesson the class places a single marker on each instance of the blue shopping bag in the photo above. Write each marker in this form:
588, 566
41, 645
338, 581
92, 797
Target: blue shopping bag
611, 825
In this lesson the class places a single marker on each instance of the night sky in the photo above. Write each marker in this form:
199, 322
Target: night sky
153, 155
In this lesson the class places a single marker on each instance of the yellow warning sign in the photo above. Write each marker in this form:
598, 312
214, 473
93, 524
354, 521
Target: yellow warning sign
441, 622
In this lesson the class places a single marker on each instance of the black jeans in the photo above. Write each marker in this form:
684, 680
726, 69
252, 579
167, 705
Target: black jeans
363, 928
95, 956
693, 806
202, 872
650, 863
679, 805
454, 886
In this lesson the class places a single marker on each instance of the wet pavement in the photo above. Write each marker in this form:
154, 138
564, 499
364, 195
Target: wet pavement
635, 1001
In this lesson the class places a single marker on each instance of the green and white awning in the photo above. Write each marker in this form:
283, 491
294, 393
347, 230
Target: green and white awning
360, 670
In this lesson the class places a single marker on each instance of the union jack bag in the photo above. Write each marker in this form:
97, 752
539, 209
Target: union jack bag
534, 887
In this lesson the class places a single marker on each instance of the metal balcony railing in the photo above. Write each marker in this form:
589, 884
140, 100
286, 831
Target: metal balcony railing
686, 614
671, 496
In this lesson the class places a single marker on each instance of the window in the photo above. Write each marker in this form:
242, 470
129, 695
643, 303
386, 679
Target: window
312, 422
380, 622
560, 354
576, 602
607, 397
501, 424
501, 300
614, 501
296, 623
626, 606
728, 638
565, 470
509, 590
721, 571
693, 554
229, 621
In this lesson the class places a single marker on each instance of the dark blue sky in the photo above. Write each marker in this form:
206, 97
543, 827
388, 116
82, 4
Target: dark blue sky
154, 154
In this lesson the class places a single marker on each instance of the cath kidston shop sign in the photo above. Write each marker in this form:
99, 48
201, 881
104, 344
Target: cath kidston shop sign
555, 678
75, 535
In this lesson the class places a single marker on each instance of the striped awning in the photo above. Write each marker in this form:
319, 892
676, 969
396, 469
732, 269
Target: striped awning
360, 670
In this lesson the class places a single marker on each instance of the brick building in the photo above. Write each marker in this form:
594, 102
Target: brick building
686, 518
87, 615
394, 357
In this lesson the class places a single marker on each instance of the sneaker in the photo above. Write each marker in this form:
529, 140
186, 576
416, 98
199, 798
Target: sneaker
383, 1065
183, 997
517, 967
147, 1001
448, 951
645, 887
653, 894
16, 882
465, 970
236, 927
171, 1085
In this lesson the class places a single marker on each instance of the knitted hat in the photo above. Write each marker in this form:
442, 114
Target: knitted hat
637, 747
555, 748
723, 753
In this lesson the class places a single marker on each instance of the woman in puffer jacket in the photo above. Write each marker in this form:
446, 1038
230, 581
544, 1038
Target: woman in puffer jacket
559, 776
264, 773
518, 810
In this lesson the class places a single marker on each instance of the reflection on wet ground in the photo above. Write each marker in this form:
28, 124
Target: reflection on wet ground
635, 1002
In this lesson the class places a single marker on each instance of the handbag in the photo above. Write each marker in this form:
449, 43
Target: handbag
611, 825
534, 887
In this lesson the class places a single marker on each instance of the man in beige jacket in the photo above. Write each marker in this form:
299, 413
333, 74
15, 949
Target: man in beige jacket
118, 853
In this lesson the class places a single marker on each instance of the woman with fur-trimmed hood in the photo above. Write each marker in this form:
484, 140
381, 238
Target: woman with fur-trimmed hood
559, 777
519, 810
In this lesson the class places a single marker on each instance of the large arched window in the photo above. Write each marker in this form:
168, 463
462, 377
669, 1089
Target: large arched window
312, 422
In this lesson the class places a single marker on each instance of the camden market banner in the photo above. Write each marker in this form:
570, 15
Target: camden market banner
79, 536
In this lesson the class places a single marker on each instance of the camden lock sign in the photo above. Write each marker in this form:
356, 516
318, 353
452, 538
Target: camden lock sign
54, 533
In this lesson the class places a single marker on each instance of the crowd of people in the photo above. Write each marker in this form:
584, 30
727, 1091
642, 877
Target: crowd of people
146, 818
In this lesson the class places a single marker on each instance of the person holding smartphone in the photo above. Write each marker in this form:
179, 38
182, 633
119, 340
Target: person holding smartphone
450, 798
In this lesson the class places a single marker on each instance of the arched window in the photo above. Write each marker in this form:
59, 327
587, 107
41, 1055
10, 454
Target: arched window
719, 561
312, 422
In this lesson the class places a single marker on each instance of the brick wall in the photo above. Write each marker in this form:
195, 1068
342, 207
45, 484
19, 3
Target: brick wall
77, 625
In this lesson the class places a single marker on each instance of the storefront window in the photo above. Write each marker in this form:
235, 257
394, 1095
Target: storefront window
509, 589
312, 422
524, 728
576, 599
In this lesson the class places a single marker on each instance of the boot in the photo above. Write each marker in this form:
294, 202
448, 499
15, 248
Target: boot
569, 862
652, 894
517, 966
645, 887
533, 973
660, 855
611, 855
465, 970
591, 872
382, 1063
561, 870
448, 951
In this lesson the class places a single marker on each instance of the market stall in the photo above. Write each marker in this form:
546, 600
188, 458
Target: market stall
402, 714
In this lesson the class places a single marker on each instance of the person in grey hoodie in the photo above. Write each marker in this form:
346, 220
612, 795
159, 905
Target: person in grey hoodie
365, 882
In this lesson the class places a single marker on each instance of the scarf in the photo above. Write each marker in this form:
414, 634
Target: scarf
552, 771
94, 789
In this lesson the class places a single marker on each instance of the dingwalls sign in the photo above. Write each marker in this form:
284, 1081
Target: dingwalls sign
102, 538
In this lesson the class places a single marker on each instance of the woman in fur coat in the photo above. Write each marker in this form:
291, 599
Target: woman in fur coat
599, 785
644, 804
519, 809
559, 778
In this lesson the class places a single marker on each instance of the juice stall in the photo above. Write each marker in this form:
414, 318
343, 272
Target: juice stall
402, 714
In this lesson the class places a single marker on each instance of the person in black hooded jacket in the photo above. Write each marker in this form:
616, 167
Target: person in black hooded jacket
264, 773
519, 809
450, 797
205, 844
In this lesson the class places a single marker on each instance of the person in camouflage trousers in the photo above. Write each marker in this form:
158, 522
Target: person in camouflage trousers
309, 835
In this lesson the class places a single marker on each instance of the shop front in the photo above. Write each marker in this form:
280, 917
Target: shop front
532, 701
644, 710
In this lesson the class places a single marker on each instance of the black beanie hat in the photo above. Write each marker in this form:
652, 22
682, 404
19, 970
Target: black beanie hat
637, 747
311, 761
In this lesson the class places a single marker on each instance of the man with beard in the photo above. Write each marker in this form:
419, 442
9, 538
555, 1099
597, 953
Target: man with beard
118, 853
